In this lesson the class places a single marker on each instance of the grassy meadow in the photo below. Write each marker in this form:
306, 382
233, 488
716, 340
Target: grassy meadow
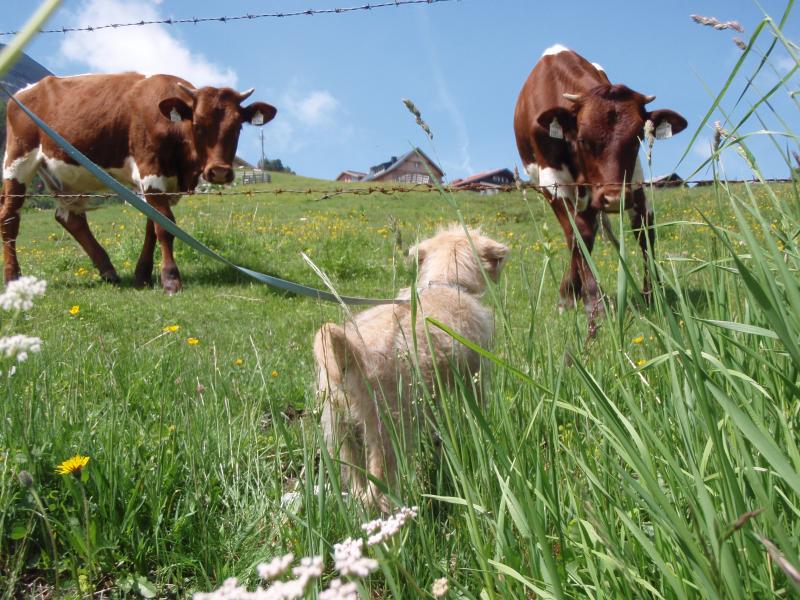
660, 462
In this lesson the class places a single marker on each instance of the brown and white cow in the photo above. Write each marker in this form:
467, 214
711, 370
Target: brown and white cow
156, 134
579, 136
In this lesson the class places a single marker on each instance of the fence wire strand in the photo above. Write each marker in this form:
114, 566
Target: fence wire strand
235, 18
391, 190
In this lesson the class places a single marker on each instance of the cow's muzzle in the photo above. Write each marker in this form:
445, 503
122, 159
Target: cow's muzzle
218, 174
608, 198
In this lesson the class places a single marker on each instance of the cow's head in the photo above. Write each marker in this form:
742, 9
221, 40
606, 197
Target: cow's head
216, 116
604, 127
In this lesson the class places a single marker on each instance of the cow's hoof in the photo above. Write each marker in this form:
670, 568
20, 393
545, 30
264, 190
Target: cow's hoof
110, 276
565, 304
141, 282
172, 286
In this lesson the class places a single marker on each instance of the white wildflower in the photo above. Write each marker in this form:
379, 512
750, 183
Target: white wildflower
229, 591
381, 530
440, 587
275, 568
338, 590
309, 567
19, 346
19, 294
348, 559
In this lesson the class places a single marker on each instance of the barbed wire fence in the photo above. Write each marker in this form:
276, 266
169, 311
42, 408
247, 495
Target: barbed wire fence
389, 190
235, 18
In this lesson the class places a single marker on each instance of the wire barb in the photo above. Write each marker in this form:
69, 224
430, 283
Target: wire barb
225, 19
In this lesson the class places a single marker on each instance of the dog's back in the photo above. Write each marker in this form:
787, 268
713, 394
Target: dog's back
365, 368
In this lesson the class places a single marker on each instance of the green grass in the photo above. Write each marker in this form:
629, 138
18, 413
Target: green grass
659, 459
598, 479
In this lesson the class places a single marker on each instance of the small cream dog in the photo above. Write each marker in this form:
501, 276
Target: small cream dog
365, 367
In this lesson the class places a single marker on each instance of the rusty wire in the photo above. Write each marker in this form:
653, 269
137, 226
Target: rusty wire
390, 190
245, 17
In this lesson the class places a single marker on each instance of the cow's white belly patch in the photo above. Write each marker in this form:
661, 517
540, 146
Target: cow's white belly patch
559, 183
64, 178
21, 169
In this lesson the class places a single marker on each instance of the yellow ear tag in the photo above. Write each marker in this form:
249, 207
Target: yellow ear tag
258, 118
555, 130
175, 116
664, 130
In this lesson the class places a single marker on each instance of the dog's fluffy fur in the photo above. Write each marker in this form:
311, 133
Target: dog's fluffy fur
365, 367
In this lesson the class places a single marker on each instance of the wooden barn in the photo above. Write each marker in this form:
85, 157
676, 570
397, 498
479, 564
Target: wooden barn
412, 167
488, 182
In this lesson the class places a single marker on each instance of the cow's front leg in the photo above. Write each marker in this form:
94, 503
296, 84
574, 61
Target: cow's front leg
579, 279
13, 199
643, 225
77, 225
170, 276
143, 275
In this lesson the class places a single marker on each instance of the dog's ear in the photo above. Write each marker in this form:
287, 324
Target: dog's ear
416, 253
494, 256
332, 352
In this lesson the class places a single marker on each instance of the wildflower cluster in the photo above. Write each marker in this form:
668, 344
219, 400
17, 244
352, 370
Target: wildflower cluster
19, 294
381, 530
348, 560
18, 346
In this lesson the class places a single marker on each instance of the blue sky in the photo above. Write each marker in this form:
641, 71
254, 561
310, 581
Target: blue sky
338, 80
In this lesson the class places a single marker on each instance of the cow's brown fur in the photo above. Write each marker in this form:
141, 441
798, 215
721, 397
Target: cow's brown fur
111, 119
602, 128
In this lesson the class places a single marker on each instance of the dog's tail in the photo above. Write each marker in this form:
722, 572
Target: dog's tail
334, 355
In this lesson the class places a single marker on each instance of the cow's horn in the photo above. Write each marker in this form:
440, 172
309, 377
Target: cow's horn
246, 94
572, 97
649, 99
187, 89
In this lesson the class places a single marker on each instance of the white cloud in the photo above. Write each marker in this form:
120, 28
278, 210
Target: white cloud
149, 49
316, 109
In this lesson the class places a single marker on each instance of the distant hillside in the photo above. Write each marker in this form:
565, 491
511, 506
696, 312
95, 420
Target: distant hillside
25, 71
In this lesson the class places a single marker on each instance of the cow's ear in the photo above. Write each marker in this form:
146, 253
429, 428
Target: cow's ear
558, 122
259, 113
175, 110
667, 123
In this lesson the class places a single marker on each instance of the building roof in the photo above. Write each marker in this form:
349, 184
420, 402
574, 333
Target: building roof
240, 163
357, 174
388, 167
479, 176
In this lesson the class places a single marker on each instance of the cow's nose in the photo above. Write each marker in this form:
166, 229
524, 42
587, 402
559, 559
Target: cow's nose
219, 174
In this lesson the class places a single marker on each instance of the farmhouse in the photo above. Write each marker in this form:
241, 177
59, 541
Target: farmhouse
348, 176
488, 182
412, 167
670, 180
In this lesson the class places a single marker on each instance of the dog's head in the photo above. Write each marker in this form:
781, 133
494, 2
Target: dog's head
456, 257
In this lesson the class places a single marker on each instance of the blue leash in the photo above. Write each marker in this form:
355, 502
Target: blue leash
151, 213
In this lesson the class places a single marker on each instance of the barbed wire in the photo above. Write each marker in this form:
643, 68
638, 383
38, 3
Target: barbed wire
245, 17
396, 189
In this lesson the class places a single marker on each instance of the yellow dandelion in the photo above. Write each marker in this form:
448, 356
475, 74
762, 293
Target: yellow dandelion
638, 339
74, 310
72, 466
274, 373
641, 362
238, 362
192, 341
171, 328
81, 272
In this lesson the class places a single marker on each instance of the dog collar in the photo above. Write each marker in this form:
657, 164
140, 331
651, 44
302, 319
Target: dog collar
444, 284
